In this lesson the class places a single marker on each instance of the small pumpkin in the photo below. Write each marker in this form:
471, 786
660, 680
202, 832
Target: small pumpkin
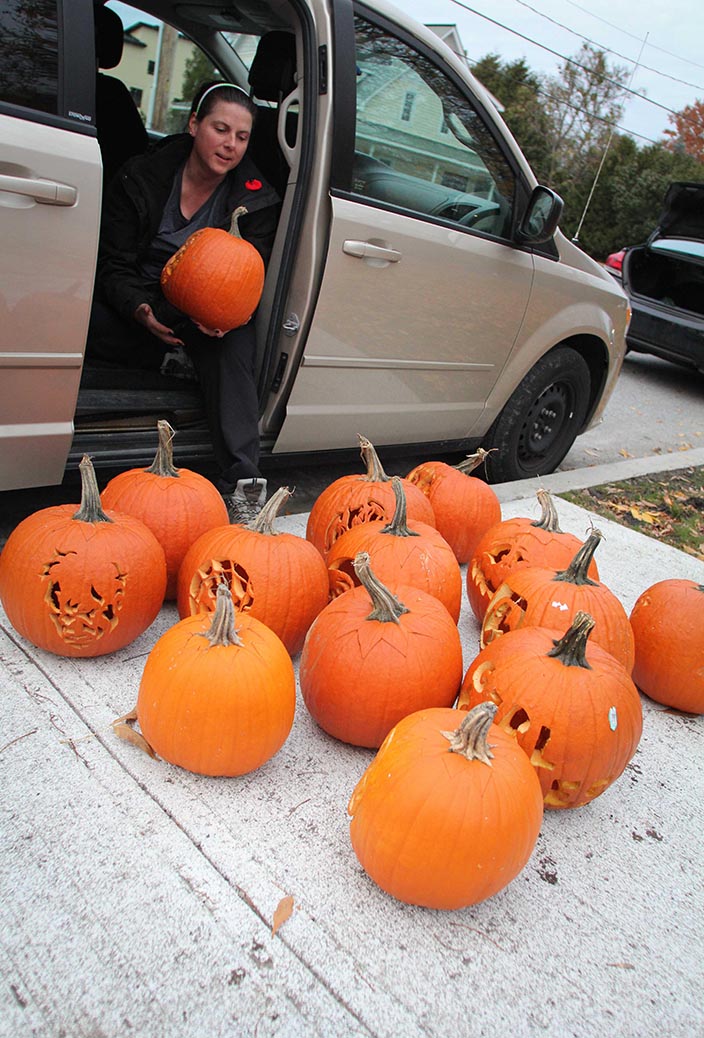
216, 698
541, 597
82, 583
401, 552
571, 706
279, 577
668, 628
177, 505
216, 277
361, 498
449, 810
464, 507
518, 543
362, 671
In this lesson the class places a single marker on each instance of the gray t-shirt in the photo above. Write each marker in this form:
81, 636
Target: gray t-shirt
174, 228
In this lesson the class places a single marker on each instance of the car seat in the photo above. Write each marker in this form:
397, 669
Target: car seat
121, 132
272, 77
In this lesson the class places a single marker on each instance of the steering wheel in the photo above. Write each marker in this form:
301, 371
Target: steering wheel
475, 215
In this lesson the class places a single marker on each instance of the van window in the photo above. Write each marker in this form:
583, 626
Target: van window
419, 144
29, 54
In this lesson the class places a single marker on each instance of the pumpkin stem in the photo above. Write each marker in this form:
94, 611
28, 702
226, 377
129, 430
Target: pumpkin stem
222, 630
548, 518
473, 461
163, 464
91, 510
571, 648
470, 738
375, 470
241, 210
387, 608
264, 522
399, 524
576, 572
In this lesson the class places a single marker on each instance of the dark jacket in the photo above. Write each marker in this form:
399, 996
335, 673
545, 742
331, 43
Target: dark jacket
133, 209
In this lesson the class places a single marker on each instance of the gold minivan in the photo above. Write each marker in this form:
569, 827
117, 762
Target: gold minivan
419, 292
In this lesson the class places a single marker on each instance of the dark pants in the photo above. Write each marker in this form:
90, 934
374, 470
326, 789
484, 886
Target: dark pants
226, 372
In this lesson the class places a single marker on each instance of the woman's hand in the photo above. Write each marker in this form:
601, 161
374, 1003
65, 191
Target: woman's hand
144, 315
214, 333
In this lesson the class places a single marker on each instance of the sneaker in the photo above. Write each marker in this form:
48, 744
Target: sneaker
245, 504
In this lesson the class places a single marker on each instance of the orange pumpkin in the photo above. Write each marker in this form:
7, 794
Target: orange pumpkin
449, 810
215, 698
571, 706
668, 627
540, 597
465, 507
515, 544
401, 552
216, 277
352, 500
362, 671
82, 583
278, 577
177, 505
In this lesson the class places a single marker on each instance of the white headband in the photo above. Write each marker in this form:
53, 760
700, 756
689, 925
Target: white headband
216, 86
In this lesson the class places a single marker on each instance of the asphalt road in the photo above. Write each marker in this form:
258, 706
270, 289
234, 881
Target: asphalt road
656, 408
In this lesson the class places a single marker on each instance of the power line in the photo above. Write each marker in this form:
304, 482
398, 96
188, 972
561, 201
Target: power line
593, 115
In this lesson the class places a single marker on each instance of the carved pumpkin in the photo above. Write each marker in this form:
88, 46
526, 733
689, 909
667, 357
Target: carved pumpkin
668, 627
82, 583
177, 505
216, 698
279, 578
401, 552
352, 500
570, 705
465, 507
362, 671
449, 810
539, 597
216, 277
515, 544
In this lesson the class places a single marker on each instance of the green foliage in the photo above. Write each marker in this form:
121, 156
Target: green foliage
199, 69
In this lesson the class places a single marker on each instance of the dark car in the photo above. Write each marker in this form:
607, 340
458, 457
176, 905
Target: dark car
664, 279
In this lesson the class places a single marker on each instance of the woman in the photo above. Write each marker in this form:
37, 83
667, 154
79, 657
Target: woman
154, 204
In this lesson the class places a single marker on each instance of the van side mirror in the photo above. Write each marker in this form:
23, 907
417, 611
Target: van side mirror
541, 218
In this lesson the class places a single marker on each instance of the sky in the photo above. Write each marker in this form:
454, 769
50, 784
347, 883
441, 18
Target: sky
658, 41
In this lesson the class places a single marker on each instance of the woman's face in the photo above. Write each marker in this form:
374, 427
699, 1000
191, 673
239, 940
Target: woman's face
220, 138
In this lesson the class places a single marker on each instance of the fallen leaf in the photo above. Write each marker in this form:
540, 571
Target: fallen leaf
622, 965
652, 518
624, 453
284, 909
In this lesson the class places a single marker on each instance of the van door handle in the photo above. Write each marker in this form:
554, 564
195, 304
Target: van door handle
47, 191
365, 250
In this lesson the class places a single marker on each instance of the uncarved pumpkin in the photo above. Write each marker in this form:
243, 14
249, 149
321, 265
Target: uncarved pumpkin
216, 277
372, 657
449, 810
668, 627
177, 505
82, 583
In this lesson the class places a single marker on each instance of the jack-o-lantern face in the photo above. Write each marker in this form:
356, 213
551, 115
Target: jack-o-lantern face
81, 612
206, 579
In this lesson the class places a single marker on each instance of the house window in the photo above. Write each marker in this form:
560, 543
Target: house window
150, 68
408, 105
455, 181
136, 95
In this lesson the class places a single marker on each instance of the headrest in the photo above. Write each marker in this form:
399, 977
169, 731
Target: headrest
272, 73
109, 37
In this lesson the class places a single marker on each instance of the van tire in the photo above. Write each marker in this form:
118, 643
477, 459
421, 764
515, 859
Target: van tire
541, 419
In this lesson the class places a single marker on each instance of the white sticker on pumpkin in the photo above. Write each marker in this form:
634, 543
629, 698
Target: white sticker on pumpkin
562, 606
613, 719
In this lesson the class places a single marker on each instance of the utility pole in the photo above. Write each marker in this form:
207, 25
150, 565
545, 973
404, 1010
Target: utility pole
163, 72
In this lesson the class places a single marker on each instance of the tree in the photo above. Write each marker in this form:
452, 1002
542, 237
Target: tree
199, 69
688, 134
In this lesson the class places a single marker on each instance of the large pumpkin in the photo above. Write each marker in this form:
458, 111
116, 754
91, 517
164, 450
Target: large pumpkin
571, 706
362, 498
177, 505
668, 627
216, 277
82, 583
401, 552
465, 507
540, 597
279, 577
516, 544
449, 810
216, 698
363, 669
